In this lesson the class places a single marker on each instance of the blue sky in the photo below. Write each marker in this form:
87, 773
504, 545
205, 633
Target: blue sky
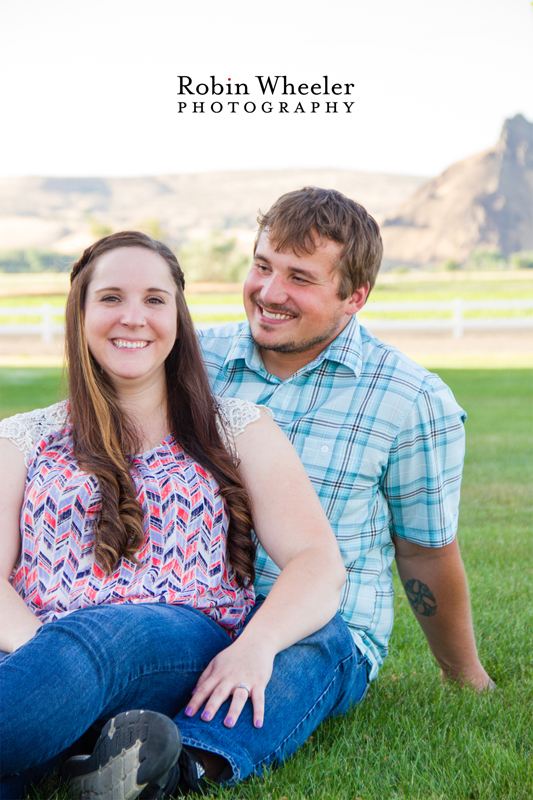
89, 88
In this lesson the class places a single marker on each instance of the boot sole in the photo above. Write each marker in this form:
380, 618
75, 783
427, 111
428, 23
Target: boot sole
136, 749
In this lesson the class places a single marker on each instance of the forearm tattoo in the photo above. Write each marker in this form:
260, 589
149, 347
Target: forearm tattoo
420, 597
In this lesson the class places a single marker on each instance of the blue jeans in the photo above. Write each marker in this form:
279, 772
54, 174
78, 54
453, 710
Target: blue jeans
99, 661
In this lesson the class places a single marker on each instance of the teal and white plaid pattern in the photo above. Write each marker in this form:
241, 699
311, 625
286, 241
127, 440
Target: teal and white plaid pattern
382, 441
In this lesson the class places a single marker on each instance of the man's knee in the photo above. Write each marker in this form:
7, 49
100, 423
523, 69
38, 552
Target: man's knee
332, 655
316, 665
333, 641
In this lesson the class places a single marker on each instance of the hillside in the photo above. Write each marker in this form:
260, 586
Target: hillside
60, 213
484, 201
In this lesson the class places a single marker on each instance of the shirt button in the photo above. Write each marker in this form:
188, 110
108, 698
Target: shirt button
325, 448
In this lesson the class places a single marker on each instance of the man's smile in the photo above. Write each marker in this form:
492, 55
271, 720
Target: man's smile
275, 314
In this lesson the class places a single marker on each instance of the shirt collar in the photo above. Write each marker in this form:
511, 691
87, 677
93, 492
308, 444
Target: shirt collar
243, 349
346, 349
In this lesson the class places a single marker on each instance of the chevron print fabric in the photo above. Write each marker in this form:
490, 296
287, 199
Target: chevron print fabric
183, 556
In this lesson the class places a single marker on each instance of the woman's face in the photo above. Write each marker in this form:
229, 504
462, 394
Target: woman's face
131, 316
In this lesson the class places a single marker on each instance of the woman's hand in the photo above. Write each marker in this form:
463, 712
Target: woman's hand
239, 670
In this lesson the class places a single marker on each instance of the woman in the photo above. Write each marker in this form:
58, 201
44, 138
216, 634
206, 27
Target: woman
126, 548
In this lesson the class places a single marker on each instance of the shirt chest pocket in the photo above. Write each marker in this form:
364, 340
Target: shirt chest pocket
341, 461
316, 453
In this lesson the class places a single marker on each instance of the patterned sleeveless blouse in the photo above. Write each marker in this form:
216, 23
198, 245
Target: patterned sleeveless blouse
183, 555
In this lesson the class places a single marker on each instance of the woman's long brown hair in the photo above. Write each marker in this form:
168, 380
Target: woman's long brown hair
104, 441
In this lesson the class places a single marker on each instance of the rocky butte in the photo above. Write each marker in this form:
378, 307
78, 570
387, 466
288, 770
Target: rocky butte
484, 201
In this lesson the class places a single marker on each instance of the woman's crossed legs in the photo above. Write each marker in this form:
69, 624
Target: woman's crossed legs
93, 664
100, 661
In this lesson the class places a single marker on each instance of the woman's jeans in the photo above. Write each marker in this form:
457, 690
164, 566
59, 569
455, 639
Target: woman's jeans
98, 661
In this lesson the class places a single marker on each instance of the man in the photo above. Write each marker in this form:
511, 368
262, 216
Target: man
383, 443
381, 438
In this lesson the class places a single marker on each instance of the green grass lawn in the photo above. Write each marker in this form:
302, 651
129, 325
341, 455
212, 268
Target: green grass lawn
26, 389
412, 738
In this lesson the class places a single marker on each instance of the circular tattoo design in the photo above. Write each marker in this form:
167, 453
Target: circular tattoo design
421, 597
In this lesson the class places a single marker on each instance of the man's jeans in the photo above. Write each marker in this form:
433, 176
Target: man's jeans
101, 660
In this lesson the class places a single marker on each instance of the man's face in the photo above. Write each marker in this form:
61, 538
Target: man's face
292, 301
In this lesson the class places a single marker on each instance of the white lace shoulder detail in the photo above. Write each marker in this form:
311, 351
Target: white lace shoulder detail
27, 430
234, 414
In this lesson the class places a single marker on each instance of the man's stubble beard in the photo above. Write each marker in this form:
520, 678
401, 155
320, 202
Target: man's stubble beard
292, 347
302, 347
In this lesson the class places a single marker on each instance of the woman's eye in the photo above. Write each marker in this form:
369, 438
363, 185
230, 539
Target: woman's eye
110, 298
156, 301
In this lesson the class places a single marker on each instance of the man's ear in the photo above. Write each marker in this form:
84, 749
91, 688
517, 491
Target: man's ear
358, 299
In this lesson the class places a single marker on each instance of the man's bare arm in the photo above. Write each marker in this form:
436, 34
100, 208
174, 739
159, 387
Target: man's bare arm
435, 583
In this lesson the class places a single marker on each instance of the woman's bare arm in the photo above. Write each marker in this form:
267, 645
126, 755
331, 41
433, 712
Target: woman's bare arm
17, 623
293, 529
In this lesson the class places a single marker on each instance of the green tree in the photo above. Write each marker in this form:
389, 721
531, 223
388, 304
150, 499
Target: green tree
450, 265
33, 259
213, 259
486, 259
523, 259
155, 229
99, 229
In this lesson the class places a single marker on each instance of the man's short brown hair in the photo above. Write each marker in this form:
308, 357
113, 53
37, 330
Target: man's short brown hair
299, 220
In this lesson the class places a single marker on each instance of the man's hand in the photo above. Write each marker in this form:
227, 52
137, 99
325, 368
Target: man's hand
476, 678
435, 584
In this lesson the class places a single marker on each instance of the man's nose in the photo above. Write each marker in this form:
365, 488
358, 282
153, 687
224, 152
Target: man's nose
133, 315
274, 290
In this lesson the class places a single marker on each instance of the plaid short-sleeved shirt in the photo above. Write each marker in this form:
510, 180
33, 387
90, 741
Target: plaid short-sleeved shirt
382, 440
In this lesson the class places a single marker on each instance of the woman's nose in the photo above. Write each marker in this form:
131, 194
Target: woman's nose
133, 316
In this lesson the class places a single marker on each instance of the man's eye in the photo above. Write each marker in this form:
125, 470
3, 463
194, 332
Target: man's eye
262, 267
298, 279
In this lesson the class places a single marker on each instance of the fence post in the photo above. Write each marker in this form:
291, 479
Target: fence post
46, 322
458, 318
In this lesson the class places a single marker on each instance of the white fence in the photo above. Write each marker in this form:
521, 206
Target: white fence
457, 322
45, 313
449, 315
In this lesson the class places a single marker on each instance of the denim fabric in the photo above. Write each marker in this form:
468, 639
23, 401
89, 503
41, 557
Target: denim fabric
99, 661
321, 676
93, 664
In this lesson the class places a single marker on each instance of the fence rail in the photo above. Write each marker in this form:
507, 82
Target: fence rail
449, 315
46, 327
457, 322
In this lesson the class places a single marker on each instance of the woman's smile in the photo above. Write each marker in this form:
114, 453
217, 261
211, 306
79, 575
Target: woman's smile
125, 343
